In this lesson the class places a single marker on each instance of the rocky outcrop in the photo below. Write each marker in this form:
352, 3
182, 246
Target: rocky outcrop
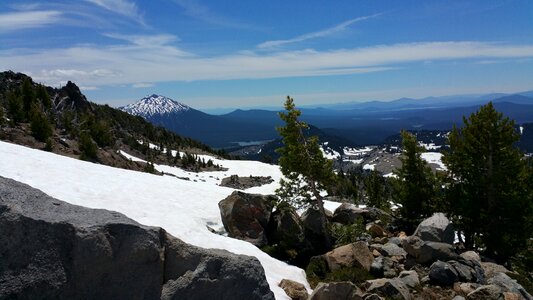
55, 250
436, 228
245, 182
246, 216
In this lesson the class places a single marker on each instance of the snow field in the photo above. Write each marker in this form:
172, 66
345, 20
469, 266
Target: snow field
182, 207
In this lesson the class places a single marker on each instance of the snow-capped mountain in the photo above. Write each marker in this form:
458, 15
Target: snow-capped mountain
154, 105
216, 131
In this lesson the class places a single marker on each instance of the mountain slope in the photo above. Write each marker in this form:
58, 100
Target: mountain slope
80, 128
217, 131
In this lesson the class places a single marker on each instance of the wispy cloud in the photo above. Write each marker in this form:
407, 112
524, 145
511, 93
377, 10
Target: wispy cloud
317, 34
197, 10
131, 63
13, 21
142, 85
122, 7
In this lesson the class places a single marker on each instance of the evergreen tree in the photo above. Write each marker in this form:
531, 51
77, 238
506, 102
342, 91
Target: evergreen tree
416, 184
15, 107
302, 163
43, 96
1, 115
488, 192
28, 95
40, 127
376, 190
87, 147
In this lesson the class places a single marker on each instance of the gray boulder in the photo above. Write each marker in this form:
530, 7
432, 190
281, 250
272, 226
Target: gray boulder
390, 249
428, 252
315, 231
246, 216
441, 273
347, 213
388, 288
409, 278
285, 226
508, 284
468, 270
486, 292
55, 250
344, 290
436, 228
384, 266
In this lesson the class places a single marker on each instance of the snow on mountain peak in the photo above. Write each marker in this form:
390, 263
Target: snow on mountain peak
154, 105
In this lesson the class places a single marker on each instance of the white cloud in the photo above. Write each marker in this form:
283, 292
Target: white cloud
28, 19
136, 63
89, 88
317, 34
142, 85
121, 7
197, 10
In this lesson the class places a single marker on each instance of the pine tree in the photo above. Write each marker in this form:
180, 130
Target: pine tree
28, 95
40, 127
488, 190
87, 147
15, 107
416, 184
43, 96
376, 190
302, 163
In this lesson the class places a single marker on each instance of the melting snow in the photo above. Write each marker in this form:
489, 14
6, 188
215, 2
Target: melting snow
434, 158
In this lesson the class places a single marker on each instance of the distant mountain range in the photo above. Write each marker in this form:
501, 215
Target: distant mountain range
356, 123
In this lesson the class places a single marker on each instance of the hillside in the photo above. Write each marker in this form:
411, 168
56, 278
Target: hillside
63, 121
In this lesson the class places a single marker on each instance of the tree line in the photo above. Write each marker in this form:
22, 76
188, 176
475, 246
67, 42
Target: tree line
487, 189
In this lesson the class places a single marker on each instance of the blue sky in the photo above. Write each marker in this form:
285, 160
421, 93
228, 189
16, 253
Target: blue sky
216, 54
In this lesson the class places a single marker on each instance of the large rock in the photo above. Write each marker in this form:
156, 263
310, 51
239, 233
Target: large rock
436, 228
285, 226
245, 216
388, 288
315, 230
390, 249
293, 289
352, 255
468, 270
55, 250
486, 292
336, 291
347, 213
442, 273
492, 269
428, 252
410, 278
509, 285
